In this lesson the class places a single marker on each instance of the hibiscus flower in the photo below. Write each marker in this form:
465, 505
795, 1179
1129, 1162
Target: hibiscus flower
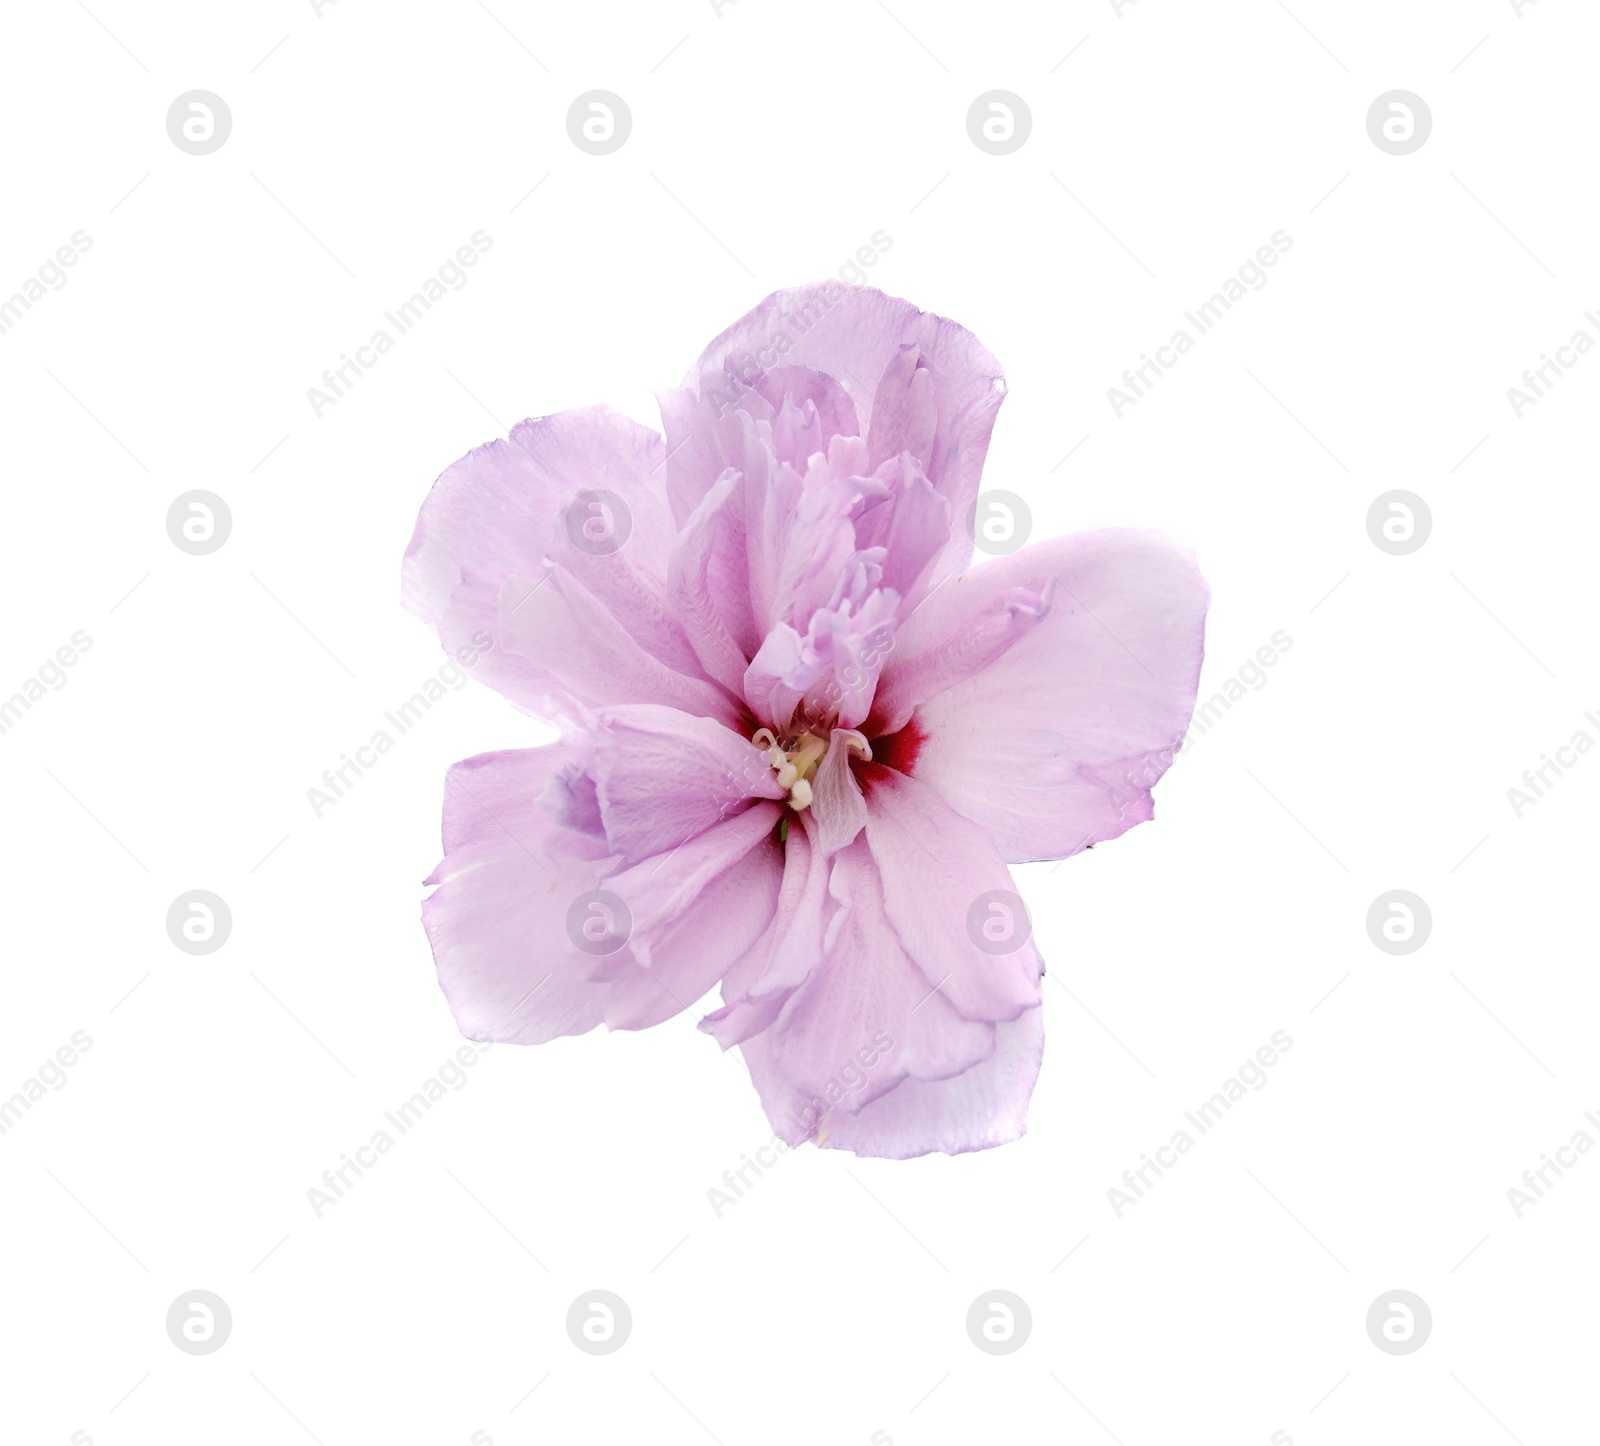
801, 738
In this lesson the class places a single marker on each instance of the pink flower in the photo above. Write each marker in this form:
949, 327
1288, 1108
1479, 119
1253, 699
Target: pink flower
801, 738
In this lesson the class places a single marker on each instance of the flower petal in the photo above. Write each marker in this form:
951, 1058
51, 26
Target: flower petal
912, 525
828, 675
660, 891
936, 868
578, 655
1093, 702
837, 806
985, 1106
709, 582
925, 662
755, 988
697, 912
709, 430
664, 777
598, 449
919, 382
865, 1018
498, 918
502, 512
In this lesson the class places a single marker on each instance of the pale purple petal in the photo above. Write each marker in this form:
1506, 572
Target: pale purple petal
709, 583
816, 392
502, 512
498, 919
839, 810
930, 657
663, 777
706, 930
830, 672
865, 1018
905, 414
804, 537
755, 988
583, 656
985, 1106
894, 360
572, 799
935, 867
1057, 743
661, 890
911, 524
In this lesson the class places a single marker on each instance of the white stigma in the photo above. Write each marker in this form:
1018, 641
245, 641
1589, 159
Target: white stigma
795, 763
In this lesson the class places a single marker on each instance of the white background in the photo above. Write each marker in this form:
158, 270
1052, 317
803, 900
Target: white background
371, 141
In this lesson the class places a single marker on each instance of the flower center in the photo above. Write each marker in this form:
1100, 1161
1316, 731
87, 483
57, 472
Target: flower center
795, 760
